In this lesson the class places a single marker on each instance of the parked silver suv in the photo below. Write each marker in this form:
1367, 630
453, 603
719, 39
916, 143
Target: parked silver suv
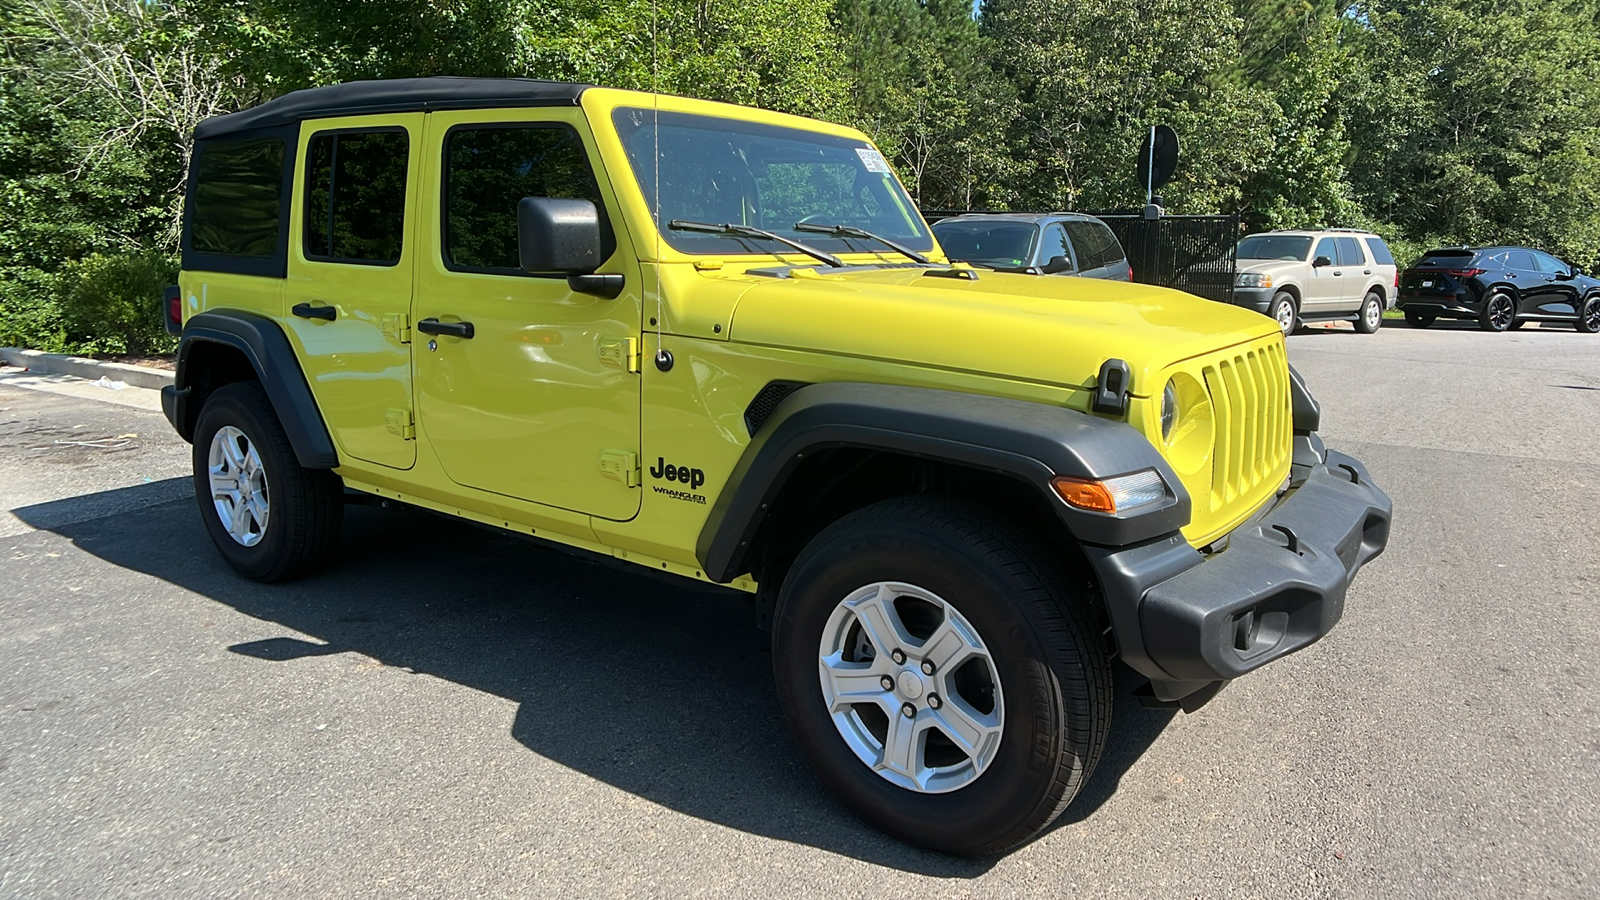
1299, 276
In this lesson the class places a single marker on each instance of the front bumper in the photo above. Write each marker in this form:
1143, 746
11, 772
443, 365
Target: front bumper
1187, 621
1258, 299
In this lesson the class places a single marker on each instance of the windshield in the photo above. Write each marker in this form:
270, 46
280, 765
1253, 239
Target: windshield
724, 171
1273, 246
986, 242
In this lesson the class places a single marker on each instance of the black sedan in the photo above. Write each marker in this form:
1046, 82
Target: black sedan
1500, 288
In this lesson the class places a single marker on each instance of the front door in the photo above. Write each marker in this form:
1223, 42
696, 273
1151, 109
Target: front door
539, 398
1325, 288
348, 291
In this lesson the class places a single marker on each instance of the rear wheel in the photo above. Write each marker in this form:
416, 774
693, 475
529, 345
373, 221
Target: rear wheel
1371, 316
942, 676
271, 519
1499, 311
1589, 316
1283, 310
1418, 320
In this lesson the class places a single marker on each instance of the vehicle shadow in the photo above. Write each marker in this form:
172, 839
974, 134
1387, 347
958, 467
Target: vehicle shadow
659, 689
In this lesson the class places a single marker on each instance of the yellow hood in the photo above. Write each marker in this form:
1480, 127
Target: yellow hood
1045, 329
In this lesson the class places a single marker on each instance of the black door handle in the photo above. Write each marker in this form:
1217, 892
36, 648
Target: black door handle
1337, 273
454, 329
307, 311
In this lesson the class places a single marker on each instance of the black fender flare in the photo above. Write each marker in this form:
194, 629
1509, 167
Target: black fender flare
261, 341
1031, 441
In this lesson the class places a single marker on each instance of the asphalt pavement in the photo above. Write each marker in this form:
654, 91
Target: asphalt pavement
451, 712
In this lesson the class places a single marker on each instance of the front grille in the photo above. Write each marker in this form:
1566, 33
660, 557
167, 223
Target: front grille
1250, 395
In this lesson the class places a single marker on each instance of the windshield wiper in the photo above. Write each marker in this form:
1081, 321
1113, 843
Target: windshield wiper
849, 231
747, 231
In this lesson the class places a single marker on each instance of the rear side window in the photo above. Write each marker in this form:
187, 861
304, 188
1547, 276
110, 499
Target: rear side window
488, 170
1096, 245
1349, 252
238, 198
1380, 252
355, 197
1520, 259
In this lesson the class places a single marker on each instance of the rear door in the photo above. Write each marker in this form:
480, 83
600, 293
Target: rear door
1524, 276
348, 291
1354, 271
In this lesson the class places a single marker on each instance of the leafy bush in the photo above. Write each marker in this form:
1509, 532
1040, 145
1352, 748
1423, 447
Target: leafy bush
113, 303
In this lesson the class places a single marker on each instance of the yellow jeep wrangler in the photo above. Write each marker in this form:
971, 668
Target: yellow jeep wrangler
721, 343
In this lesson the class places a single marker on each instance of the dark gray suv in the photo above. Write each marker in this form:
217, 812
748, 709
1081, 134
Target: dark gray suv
1044, 243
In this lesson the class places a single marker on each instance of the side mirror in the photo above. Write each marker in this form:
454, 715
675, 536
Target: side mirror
1057, 265
1321, 261
558, 236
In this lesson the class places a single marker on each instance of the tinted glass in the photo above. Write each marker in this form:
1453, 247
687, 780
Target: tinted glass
723, 171
1450, 259
487, 173
1549, 264
1349, 252
1380, 252
1326, 248
1271, 246
1053, 243
1095, 243
987, 242
1520, 259
238, 197
356, 196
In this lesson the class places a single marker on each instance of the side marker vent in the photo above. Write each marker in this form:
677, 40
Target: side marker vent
767, 400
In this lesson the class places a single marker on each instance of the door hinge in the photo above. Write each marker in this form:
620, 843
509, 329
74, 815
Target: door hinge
397, 327
623, 353
399, 423
620, 465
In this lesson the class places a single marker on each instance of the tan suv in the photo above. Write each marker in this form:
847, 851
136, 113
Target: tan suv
1337, 274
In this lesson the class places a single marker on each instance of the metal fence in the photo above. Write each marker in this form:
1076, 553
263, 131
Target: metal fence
1189, 253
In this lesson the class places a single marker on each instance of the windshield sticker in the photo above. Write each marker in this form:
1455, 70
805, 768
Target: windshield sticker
873, 160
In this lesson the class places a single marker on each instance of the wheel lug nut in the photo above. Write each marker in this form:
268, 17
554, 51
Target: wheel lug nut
927, 667
887, 682
934, 702
908, 711
899, 656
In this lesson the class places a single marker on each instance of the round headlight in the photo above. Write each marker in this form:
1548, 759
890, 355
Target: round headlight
1169, 410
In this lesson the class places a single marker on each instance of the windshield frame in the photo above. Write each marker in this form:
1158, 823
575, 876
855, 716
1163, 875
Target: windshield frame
892, 195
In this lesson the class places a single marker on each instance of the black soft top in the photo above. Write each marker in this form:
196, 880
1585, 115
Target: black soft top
394, 95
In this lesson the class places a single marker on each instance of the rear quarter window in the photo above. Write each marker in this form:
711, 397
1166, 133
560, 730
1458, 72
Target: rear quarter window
1380, 252
238, 198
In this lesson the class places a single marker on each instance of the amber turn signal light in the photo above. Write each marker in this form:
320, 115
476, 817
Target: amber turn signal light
1084, 494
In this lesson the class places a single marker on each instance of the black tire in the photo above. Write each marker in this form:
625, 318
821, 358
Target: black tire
1589, 316
1499, 311
1040, 626
1370, 317
1516, 325
1418, 320
305, 507
1283, 310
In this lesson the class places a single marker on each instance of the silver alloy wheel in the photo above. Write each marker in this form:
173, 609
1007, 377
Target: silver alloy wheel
922, 708
1285, 317
1373, 313
238, 486
1501, 312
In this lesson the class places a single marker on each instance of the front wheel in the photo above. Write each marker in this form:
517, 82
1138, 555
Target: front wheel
1589, 316
944, 679
1283, 311
1371, 316
1499, 311
271, 519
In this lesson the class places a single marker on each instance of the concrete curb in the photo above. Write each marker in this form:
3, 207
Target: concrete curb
60, 364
